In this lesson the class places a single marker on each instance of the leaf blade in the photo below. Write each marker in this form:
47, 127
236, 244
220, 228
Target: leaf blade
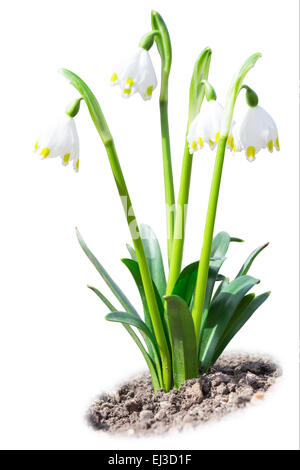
220, 313
185, 361
241, 316
154, 258
247, 264
106, 277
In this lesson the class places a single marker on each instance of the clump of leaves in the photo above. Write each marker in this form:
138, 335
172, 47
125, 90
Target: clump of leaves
228, 306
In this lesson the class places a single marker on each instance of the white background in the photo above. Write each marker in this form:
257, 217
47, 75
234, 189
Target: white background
56, 350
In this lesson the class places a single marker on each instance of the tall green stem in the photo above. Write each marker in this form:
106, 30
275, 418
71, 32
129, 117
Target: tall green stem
143, 265
168, 173
179, 232
104, 132
203, 268
207, 238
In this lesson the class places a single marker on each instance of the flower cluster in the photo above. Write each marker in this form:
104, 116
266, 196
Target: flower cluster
256, 131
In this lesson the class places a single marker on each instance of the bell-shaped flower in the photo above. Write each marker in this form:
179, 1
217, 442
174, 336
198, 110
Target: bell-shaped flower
60, 140
206, 126
137, 75
256, 131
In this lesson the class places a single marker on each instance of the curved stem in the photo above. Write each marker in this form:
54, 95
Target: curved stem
142, 262
104, 132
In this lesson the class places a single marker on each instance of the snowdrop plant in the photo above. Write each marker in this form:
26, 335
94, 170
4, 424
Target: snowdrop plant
189, 314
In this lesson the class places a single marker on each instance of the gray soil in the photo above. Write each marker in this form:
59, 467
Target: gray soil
234, 382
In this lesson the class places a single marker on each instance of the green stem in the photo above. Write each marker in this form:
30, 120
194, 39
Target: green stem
104, 132
168, 174
179, 231
143, 265
207, 238
203, 268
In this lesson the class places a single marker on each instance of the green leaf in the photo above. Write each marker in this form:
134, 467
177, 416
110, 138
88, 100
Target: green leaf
103, 298
219, 315
244, 311
131, 252
185, 361
154, 258
220, 245
134, 269
106, 277
148, 359
186, 282
128, 319
219, 248
246, 266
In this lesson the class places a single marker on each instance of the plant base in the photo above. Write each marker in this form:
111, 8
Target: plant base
235, 381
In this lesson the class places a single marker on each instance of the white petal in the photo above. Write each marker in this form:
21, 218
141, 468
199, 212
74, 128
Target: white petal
137, 75
257, 129
60, 140
206, 126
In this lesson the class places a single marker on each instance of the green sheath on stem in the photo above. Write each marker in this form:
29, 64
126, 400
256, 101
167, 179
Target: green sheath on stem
165, 50
201, 70
103, 130
179, 232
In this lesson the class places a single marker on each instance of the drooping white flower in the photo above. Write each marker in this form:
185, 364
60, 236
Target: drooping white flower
256, 131
60, 140
206, 126
137, 75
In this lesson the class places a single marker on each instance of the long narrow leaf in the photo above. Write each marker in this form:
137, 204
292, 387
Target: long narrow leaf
148, 359
106, 277
246, 266
240, 317
220, 314
134, 269
185, 361
186, 282
129, 319
103, 298
154, 258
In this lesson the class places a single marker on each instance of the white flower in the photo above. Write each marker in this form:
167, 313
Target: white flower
256, 131
206, 126
60, 140
137, 75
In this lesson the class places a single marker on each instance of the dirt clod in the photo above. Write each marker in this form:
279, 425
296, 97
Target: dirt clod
233, 382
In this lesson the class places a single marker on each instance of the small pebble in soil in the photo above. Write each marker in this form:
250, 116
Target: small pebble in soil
233, 382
